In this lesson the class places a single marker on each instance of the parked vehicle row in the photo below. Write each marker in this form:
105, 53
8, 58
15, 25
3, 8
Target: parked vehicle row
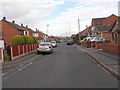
46, 47
94, 39
69, 42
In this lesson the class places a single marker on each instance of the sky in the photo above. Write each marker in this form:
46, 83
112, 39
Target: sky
61, 15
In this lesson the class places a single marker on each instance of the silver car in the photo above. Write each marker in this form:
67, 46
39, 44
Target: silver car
97, 39
45, 47
53, 43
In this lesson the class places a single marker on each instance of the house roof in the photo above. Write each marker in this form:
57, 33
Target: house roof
27, 29
104, 28
97, 21
16, 26
86, 30
115, 23
104, 20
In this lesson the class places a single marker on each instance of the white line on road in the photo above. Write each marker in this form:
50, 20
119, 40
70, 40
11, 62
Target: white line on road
3, 74
30, 62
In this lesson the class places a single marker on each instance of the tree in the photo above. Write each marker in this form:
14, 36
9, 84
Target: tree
76, 38
17, 40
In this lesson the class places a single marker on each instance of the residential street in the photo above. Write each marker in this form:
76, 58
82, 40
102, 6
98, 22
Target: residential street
67, 67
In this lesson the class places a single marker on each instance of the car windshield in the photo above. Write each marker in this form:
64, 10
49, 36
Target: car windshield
44, 44
52, 42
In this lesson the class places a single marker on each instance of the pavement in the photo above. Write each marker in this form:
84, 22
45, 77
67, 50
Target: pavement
21, 60
107, 60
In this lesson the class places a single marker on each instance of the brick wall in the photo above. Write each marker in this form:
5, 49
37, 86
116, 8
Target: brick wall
8, 32
109, 47
106, 35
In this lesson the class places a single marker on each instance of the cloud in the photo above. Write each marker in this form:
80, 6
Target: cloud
34, 13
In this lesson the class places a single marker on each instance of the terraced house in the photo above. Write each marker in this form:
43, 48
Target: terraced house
10, 29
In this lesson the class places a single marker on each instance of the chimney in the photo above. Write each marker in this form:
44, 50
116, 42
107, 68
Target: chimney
36, 29
13, 21
26, 26
86, 26
21, 24
4, 18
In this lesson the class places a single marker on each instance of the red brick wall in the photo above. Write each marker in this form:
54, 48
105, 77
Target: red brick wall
109, 47
8, 32
106, 35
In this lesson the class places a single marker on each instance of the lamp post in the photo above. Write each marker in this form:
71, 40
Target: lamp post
47, 28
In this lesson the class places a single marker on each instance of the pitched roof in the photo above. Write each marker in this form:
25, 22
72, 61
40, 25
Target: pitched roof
16, 26
115, 23
104, 20
97, 21
28, 29
104, 28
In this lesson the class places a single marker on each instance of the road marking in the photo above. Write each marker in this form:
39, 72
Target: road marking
3, 74
21, 65
11, 70
20, 69
30, 62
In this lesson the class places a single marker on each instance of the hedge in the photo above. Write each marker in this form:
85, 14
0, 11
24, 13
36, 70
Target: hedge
17, 40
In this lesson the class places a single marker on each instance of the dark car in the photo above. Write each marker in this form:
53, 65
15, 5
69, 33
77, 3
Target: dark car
69, 42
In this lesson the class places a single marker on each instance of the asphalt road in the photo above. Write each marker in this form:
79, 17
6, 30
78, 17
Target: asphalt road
67, 67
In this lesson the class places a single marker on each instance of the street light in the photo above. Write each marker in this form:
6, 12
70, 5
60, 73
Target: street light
47, 28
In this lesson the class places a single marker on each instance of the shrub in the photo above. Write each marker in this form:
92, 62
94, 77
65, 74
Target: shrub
17, 40
27, 39
35, 39
6, 56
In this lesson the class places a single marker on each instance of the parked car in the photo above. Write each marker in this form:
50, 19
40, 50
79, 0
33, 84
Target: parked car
45, 47
53, 43
97, 39
87, 39
69, 42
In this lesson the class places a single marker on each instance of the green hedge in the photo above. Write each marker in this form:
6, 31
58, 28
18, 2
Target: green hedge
17, 40
28, 39
35, 39
25, 39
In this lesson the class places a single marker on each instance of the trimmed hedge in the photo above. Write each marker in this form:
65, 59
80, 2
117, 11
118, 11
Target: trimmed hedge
25, 39
17, 40
28, 39
35, 39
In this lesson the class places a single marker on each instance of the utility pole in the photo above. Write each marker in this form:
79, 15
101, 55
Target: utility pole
79, 28
47, 28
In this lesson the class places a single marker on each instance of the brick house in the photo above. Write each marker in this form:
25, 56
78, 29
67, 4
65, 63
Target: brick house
9, 29
101, 26
86, 32
29, 31
115, 31
39, 34
102, 31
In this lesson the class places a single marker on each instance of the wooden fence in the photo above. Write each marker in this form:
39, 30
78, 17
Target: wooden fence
20, 50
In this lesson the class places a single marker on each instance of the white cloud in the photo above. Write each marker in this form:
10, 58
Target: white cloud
34, 13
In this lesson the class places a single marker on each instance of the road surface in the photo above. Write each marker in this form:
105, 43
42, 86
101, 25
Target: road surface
67, 67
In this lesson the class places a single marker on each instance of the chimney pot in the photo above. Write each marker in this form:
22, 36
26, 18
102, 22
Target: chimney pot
13, 21
21, 24
26, 26
4, 18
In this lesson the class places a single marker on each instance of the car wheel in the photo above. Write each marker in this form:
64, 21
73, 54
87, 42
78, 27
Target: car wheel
38, 52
